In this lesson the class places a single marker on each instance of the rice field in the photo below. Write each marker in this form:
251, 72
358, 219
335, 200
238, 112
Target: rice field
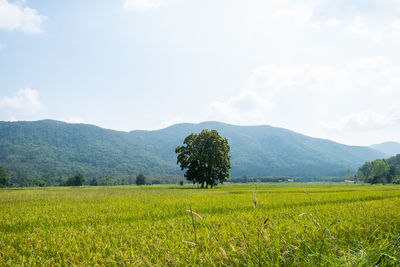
246, 225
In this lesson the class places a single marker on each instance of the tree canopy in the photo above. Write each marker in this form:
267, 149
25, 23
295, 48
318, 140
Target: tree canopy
380, 171
4, 177
205, 157
76, 180
140, 179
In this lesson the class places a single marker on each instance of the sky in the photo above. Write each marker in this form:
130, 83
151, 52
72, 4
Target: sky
328, 69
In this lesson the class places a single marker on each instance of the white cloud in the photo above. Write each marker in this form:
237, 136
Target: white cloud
366, 120
317, 99
18, 17
396, 24
349, 17
2, 46
171, 122
374, 20
360, 76
73, 120
24, 100
274, 81
316, 26
392, 86
12, 119
298, 14
368, 63
246, 108
361, 25
142, 4
328, 23
357, 18
333, 23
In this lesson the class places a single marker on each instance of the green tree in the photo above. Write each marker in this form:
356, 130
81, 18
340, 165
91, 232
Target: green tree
76, 180
377, 171
46, 178
4, 177
94, 182
396, 179
205, 157
141, 179
130, 179
107, 180
23, 180
364, 172
380, 172
156, 181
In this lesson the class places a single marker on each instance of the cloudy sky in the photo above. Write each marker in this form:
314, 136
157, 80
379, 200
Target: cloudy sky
328, 69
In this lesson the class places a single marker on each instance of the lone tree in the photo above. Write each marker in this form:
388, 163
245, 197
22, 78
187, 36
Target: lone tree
206, 158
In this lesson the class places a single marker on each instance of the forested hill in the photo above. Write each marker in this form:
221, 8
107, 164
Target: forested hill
61, 149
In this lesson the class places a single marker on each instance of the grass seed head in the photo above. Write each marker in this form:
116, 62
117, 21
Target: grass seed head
189, 243
195, 214
223, 252
254, 201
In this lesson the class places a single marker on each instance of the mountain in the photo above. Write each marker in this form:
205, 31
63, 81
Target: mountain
60, 149
389, 148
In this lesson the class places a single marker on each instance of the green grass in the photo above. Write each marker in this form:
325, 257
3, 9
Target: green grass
265, 224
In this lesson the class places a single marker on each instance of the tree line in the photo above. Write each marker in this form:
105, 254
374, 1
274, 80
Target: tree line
380, 171
24, 180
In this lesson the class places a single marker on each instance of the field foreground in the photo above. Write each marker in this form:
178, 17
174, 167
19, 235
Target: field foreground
262, 224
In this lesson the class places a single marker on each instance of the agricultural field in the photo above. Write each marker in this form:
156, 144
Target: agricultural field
259, 224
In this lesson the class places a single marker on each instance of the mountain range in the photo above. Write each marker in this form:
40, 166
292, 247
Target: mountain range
60, 149
389, 148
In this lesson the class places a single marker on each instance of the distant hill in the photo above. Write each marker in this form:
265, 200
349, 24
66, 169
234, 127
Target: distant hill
60, 149
389, 148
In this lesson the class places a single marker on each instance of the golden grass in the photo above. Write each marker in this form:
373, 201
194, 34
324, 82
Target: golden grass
292, 224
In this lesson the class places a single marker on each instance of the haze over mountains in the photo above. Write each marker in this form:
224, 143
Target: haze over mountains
61, 149
389, 148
